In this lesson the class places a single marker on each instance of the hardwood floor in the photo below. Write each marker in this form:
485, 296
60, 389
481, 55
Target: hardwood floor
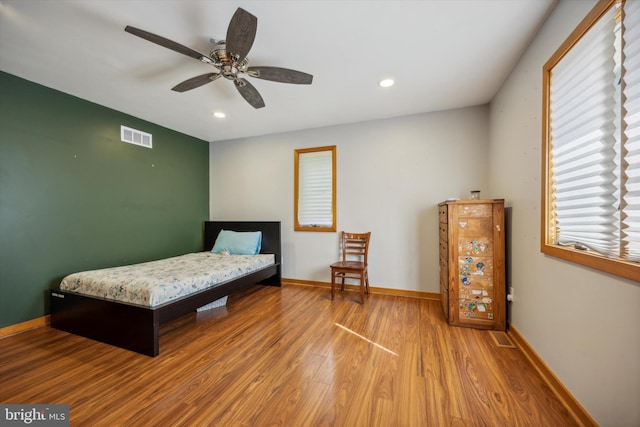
287, 356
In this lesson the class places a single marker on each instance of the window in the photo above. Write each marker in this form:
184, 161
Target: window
591, 143
315, 189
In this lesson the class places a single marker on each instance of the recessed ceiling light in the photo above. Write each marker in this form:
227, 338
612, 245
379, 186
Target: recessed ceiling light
386, 83
219, 115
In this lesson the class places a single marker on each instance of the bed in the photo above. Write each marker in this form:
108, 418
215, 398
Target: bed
134, 324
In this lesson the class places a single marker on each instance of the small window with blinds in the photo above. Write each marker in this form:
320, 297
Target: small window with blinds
315, 189
591, 143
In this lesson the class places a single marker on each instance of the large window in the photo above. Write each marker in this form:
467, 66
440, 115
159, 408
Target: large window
315, 189
591, 143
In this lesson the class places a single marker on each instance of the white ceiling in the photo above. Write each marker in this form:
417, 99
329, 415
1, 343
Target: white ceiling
443, 54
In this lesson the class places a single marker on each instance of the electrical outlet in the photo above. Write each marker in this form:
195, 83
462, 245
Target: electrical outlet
510, 294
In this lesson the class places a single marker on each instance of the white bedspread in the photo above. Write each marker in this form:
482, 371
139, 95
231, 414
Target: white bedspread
156, 282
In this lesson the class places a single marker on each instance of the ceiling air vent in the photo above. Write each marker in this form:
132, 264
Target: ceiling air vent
136, 137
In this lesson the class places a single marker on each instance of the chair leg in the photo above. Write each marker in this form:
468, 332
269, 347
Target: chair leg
333, 284
342, 284
366, 281
362, 289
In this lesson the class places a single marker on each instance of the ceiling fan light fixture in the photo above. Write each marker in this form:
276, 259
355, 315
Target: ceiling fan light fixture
386, 83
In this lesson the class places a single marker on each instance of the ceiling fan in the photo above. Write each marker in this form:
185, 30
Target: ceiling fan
229, 57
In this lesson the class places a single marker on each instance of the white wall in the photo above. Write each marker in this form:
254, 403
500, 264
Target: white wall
584, 324
391, 174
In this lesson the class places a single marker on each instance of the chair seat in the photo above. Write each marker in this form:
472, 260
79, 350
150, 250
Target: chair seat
350, 265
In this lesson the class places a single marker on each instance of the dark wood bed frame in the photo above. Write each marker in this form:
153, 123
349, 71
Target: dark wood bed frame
136, 327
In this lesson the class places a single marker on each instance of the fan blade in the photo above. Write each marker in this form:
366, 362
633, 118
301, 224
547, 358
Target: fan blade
249, 93
169, 44
282, 75
241, 33
195, 82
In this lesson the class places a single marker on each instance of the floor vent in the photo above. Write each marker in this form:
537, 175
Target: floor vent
502, 339
136, 137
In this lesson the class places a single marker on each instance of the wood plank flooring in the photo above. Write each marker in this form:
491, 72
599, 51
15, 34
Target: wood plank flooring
292, 357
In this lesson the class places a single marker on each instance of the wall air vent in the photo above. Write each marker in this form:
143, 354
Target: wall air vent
136, 137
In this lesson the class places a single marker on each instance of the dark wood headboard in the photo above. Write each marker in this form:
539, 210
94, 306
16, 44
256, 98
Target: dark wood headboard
271, 243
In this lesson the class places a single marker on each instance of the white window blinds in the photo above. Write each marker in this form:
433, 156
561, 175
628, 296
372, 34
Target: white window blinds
315, 193
631, 131
582, 130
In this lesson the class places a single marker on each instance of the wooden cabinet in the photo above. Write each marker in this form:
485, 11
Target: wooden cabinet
472, 263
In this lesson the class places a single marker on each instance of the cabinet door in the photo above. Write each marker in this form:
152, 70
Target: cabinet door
474, 262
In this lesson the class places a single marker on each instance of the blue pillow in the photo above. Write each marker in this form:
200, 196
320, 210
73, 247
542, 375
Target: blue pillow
238, 242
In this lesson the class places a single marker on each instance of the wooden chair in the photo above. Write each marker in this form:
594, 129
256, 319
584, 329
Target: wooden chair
355, 251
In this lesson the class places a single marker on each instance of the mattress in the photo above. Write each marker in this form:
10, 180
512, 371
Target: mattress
156, 282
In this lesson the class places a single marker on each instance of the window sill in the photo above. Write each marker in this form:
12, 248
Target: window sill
628, 270
314, 228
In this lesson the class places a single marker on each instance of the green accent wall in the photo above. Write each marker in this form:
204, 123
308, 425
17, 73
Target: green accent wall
74, 197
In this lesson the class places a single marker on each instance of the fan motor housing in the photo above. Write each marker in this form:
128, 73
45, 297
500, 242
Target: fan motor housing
226, 62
